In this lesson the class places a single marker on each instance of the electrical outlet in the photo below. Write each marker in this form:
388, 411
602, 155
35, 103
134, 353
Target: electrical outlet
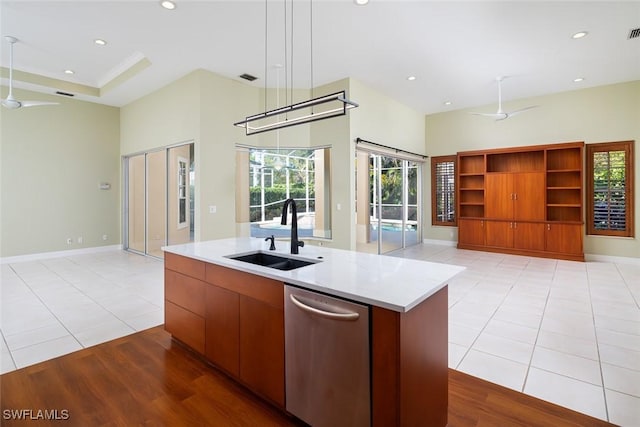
69, 240
80, 239
212, 209
105, 237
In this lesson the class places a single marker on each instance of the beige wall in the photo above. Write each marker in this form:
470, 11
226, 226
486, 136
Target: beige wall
600, 114
382, 120
53, 161
61, 161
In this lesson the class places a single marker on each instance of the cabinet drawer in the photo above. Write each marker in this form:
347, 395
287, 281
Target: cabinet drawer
184, 325
257, 287
187, 266
185, 291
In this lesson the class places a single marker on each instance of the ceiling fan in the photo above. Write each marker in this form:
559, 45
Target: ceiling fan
11, 102
500, 114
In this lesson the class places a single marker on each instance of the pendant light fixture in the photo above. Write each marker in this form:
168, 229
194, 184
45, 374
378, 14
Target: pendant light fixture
314, 109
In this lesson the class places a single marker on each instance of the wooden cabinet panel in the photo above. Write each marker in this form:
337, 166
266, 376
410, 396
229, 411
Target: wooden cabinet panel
498, 202
184, 291
499, 234
187, 266
222, 328
185, 326
262, 348
528, 236
261, 288
471, 232
564, 238
529, 191
409, 361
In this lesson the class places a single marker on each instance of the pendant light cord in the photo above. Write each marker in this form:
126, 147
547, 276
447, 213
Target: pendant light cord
286, 58
311, 45
292, 38
266, 34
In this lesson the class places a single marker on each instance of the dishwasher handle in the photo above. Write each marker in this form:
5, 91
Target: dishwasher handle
328, 314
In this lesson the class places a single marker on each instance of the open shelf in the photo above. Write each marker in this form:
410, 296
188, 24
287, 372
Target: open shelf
473, 164
471, 210
526, 161
564, 213
564, 159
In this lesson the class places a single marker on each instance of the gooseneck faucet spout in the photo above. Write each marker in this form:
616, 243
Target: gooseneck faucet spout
295, 243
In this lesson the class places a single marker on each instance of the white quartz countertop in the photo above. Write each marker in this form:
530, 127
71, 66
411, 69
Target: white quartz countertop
394, 283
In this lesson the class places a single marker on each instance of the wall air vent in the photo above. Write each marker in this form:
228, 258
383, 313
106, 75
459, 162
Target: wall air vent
65, 94
634, 33
248, 77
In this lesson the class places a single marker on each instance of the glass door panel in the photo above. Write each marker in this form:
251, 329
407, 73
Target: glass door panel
412, 211
388, 203
180, 195
136, 206
156, 202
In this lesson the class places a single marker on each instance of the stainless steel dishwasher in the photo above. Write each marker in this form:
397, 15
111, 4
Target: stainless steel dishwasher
326, 359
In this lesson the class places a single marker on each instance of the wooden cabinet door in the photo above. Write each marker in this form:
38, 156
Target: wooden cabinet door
184, 326
222, 328
528, 235
499, 234
498, 202
564, 238
529, 191
262, 348
470, 232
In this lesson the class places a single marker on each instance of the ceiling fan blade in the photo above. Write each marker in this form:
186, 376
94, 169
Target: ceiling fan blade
497, 116
522, 110
37, 103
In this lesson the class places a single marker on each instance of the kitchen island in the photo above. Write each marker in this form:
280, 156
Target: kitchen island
232, 313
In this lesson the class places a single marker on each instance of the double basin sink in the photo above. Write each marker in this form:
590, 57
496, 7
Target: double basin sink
272, 261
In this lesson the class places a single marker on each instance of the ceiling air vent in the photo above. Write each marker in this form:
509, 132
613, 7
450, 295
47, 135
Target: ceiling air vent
248, 77
64, 93
634, 33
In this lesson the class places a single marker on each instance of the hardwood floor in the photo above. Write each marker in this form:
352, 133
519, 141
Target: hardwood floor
147, 379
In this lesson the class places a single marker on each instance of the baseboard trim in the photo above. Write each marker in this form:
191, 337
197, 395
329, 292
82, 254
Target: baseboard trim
449, 243
609, 258
58, 254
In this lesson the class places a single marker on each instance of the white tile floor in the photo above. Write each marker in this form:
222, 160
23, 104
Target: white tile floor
566, 332
56, 306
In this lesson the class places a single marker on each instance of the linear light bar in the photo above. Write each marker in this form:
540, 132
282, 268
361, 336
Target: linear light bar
297, 114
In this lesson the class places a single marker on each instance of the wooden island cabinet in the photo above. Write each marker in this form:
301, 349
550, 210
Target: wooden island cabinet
522, 200
235, 320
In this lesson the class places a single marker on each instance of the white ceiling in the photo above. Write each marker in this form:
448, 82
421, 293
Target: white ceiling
455, 49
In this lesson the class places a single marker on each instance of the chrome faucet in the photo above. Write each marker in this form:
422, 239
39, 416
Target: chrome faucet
295, 243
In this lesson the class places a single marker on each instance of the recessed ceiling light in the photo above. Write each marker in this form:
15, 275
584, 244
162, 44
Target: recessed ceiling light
69, 72
168, 4
578, 79
411, 78
447, 103
361, 2
579, 35
100, 42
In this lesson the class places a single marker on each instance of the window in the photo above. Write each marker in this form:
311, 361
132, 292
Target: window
275, 175
610, 189
443, 190
182, 192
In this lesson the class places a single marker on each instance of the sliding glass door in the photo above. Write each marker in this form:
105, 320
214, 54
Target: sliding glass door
159, 203
390, 194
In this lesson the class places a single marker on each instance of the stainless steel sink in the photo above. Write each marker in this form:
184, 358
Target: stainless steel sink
272, 261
